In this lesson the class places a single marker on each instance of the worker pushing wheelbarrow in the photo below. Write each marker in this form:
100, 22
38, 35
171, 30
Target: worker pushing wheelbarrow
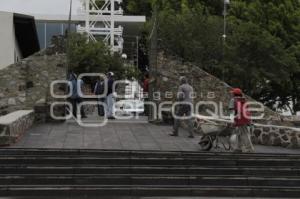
215, 135
232, 136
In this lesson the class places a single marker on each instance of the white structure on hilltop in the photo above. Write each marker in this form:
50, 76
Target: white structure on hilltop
100, 22
26, 33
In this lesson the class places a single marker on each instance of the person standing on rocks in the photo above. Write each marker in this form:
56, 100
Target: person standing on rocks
242, 121
184, 96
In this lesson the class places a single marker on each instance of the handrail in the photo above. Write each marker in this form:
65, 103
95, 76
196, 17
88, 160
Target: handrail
255, 124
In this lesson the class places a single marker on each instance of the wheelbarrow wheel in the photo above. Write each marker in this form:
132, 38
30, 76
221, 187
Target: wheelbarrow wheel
206, 143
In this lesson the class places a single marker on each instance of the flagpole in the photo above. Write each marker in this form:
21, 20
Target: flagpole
67, 50
68, 38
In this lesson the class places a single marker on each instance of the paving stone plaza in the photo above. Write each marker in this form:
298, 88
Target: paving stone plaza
118, 135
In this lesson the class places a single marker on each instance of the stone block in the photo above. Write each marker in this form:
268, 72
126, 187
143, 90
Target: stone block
282, 131
255, 140
266, 139
29, 84
257, 132
11, 101
285, 144
285, 137
277, 142
21, 99
13, 125
294, 142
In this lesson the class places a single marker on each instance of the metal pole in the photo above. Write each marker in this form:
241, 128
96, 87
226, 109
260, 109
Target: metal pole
68, 38
68, 48
87, 18
70, 17
137, 52
225, 13
226, 2
153, 61
224, 39
112, 25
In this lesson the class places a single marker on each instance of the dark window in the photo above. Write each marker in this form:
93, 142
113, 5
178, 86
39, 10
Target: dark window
53, 29
41, 34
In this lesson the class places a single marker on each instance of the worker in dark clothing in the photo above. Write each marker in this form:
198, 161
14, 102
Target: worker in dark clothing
110, 98
76, 98
99, 90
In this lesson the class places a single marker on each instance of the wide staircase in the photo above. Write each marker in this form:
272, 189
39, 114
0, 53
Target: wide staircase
89, 173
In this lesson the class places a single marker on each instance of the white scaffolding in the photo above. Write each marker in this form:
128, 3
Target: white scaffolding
100, 17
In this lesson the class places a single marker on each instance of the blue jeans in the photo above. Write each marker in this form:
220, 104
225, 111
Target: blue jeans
110, 102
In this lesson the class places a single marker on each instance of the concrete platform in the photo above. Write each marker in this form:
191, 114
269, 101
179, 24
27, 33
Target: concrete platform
123, 135
119, 135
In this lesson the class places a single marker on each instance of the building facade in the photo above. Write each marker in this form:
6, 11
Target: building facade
23, 35
18, 38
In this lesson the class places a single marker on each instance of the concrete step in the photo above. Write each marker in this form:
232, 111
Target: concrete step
149, 170
134, 180
132, 173
212, 161
165, 156
122, 153
3, 176
96, 190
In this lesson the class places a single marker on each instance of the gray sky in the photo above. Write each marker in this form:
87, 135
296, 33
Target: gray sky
39, 6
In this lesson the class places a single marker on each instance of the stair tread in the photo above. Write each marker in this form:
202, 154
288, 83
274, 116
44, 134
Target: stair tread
42, 172
149, 186
2, 176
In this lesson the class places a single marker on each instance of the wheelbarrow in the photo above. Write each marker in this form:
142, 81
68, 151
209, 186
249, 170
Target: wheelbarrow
216, 136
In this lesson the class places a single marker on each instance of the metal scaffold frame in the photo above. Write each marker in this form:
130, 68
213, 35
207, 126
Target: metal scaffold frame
100, 22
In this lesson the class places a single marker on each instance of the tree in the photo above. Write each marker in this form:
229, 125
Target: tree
280, 19
86, 57
261, 53
138, 7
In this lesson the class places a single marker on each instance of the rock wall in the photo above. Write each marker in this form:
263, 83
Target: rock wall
206, 86
27, 82
210, 88
12, 90
272, 136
